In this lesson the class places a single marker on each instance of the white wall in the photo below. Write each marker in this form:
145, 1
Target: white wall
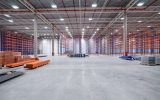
84, 46
55, 46
45, 46
70, 44
74, 45
92, 46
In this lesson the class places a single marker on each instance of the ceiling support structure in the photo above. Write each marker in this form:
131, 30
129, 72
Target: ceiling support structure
125, 32
127, 8
35, 36
72, 11
129, 5
33, 10
104, 5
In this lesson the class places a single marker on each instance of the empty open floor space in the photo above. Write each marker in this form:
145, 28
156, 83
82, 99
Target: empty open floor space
91, 78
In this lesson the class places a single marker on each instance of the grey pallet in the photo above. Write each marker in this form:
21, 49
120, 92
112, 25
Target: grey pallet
13, 74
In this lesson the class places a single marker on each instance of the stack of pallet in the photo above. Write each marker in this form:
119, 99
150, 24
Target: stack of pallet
7, 57
1, 59
15, 59
36, 64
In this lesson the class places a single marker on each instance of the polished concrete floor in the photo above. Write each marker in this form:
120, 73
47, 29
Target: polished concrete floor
91, 78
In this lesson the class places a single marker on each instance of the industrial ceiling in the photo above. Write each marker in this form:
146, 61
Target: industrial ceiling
86, 18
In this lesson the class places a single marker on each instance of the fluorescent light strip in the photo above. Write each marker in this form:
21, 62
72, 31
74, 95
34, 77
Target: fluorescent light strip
61, 19
11, 21
7, 15
90, 19
94, 5
15, 7
54, 6
140, 4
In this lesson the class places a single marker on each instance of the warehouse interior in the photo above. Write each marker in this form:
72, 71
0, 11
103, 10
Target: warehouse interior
79, 49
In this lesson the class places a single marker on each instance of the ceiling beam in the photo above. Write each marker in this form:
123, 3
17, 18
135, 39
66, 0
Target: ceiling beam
129, 5
32, 9
72, 10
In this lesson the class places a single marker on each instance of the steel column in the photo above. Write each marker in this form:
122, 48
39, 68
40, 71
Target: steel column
58, 42
53, 45
35, 36
80, 45
88, 46
125, 34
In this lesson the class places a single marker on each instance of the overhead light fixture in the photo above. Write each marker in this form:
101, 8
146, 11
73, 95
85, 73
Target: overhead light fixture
61, 19
148, 26
66, 27
15, 7
97, 29
54, 6
94, 5
139, 21
7, 15
83, 29
33, 20
116, 30
122, 18
138, 30
95, 32
16, 32
90, 19
159, 13
87, 26
27, 28
83, 32
45, 27
140, 4
111, 33
10, 20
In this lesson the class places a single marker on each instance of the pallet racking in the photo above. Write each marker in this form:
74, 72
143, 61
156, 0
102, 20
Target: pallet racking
144, 42
11, 41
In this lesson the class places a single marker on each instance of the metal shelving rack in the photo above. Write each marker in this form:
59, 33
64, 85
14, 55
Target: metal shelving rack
145, 42
17, 42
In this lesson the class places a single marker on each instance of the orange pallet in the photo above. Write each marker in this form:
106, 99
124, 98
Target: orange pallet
36, 64
12, 65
